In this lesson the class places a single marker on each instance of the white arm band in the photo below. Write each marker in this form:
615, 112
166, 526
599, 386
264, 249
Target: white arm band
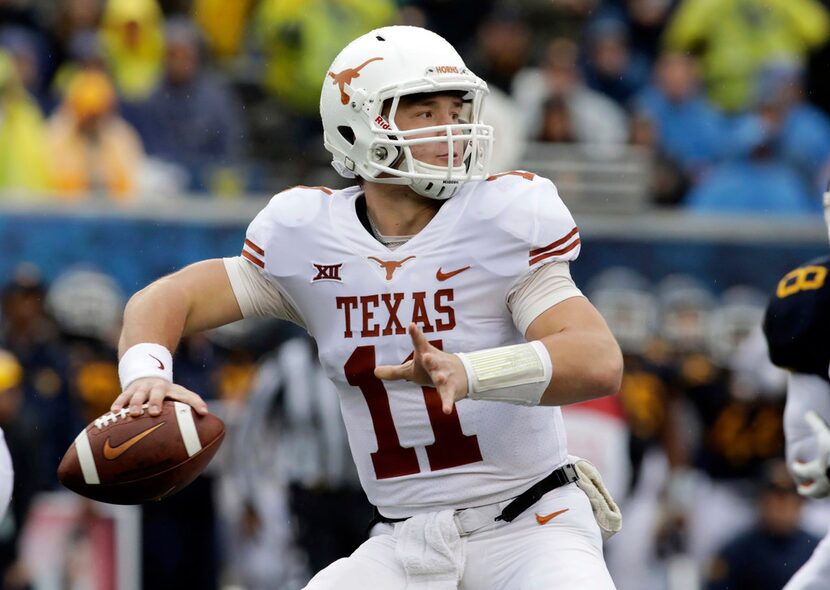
538, 291
517, 374
145, 360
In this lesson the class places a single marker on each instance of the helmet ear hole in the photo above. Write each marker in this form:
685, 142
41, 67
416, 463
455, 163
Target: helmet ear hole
346, 133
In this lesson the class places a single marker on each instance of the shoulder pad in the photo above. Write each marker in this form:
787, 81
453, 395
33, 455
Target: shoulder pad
320, 189
528, 207
292, 208
798, 317
298, 205
512, 174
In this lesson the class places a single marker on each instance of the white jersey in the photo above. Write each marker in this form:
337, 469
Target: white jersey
453, 279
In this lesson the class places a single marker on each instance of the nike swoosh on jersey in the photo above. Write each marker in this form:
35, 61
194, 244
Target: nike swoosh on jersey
112, 453
443, 276
547, 517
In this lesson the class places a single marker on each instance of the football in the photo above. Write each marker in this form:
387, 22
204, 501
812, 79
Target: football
119, 459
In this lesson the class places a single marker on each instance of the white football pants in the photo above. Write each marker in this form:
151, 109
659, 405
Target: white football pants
814, 574
807, 392
6, 476
564, 553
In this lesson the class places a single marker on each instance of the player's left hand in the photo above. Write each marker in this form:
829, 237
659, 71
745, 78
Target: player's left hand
430, 367
811, 476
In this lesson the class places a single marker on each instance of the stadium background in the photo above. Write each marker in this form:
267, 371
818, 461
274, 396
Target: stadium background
689, 137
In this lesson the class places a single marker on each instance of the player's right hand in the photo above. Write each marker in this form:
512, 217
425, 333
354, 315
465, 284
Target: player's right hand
154, 391
811, 476
432, 367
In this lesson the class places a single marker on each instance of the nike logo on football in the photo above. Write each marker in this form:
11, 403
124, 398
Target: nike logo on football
547, 517
112, 453
161, 364
443, 276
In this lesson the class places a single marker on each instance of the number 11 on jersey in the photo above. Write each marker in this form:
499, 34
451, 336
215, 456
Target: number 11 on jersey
452, 448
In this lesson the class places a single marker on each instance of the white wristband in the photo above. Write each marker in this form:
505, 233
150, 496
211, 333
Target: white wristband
517, 374
145, 360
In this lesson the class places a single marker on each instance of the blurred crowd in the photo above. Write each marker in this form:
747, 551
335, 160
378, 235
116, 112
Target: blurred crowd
699, 416
131, 99
127, 100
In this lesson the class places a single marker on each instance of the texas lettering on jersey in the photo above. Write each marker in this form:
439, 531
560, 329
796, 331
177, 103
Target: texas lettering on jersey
376, 315
357, 297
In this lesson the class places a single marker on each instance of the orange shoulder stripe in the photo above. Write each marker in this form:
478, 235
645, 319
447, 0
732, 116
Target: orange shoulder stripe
552, 245
254, 247
325, 189
252, 258
559, 252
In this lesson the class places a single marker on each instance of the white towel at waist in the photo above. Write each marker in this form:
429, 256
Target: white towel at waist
431, 551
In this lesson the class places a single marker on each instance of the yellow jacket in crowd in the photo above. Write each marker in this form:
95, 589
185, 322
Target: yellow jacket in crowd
132, 36
23, 154
223, 24
302, 37
92, 149
736, 37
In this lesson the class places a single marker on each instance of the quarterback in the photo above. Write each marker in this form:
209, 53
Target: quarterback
795, 326
443, 309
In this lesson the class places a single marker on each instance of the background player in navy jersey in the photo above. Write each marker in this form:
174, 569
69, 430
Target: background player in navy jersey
796, 327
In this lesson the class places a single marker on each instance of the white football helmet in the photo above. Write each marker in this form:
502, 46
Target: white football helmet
741, 311
86, 302
686, 305
382, 66
624, 298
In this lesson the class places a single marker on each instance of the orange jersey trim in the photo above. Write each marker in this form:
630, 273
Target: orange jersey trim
552, 245
325, 189
252, 258
559, 252
254, 247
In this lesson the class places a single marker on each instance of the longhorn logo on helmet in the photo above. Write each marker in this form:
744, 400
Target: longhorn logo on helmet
346, 77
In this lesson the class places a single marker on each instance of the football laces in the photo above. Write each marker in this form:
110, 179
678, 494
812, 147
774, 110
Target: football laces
113, 417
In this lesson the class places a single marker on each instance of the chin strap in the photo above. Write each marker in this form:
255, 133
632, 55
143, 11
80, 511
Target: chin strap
432, 188
436, 189
342, 170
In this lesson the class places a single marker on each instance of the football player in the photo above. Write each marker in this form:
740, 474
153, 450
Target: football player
795, 326
443, 309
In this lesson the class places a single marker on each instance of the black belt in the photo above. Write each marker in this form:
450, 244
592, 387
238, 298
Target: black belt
564, 475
